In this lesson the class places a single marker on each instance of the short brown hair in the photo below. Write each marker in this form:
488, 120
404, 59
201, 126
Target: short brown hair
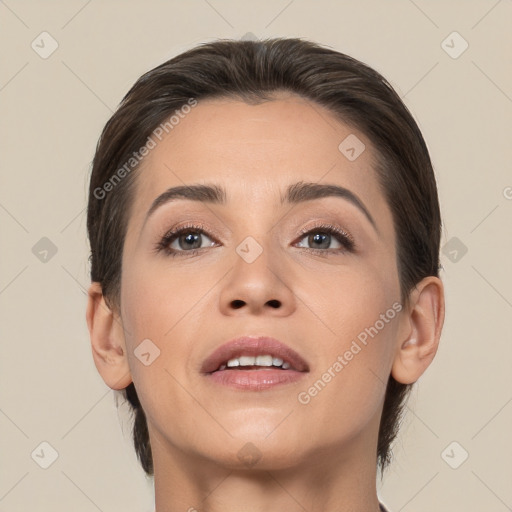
251, 71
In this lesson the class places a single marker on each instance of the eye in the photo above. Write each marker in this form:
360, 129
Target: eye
186, 239
320, 238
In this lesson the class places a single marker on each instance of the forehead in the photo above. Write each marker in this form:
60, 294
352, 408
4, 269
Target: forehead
256, 151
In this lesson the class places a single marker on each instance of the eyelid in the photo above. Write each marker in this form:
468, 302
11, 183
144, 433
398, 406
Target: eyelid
327, 225
345, 238
192, 225
163, 240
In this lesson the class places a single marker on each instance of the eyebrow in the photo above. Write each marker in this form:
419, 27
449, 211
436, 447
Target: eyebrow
295, 194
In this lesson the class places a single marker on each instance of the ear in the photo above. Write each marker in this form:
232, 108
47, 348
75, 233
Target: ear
107, 340
418, 345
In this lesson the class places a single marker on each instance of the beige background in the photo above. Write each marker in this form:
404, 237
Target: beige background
53, 110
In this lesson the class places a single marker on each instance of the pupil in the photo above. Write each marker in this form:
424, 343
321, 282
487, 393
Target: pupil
316, 238
191, 238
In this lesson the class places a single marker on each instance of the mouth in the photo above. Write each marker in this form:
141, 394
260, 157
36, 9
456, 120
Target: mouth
254, 363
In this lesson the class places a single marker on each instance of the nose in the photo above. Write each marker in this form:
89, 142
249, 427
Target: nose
258, 287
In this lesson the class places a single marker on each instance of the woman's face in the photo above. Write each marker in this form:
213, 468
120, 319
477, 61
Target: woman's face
253, 272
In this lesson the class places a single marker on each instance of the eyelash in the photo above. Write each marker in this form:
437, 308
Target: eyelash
343, 237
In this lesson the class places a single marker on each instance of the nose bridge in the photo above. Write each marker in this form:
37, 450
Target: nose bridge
257, 281
256, 235
258, 254
256, 258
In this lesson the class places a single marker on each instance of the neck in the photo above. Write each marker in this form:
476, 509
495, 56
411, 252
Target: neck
328, 480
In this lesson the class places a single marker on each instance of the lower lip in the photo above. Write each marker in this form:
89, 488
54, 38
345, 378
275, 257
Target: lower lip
255, 380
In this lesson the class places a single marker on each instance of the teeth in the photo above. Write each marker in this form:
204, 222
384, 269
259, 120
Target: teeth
264, 361
247, 360
261, 360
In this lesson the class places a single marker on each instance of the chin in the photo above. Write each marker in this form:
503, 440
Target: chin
256, 456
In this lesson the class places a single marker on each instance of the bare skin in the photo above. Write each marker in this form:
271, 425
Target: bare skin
314, 456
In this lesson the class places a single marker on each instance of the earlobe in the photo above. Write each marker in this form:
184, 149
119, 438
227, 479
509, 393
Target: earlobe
107, 340
416, 350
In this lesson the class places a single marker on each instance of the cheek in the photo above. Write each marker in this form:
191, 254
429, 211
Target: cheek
350, 300
358, 314
146, 316
166, 307
155, 297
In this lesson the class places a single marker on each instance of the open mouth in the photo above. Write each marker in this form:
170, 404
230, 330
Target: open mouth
254, 353
254, 364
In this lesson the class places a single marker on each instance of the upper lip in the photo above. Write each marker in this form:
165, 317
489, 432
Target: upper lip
253, 346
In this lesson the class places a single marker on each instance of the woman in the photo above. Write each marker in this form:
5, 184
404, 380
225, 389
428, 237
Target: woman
264, 227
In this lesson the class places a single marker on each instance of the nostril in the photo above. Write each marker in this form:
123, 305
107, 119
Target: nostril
237, 304
274, 303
